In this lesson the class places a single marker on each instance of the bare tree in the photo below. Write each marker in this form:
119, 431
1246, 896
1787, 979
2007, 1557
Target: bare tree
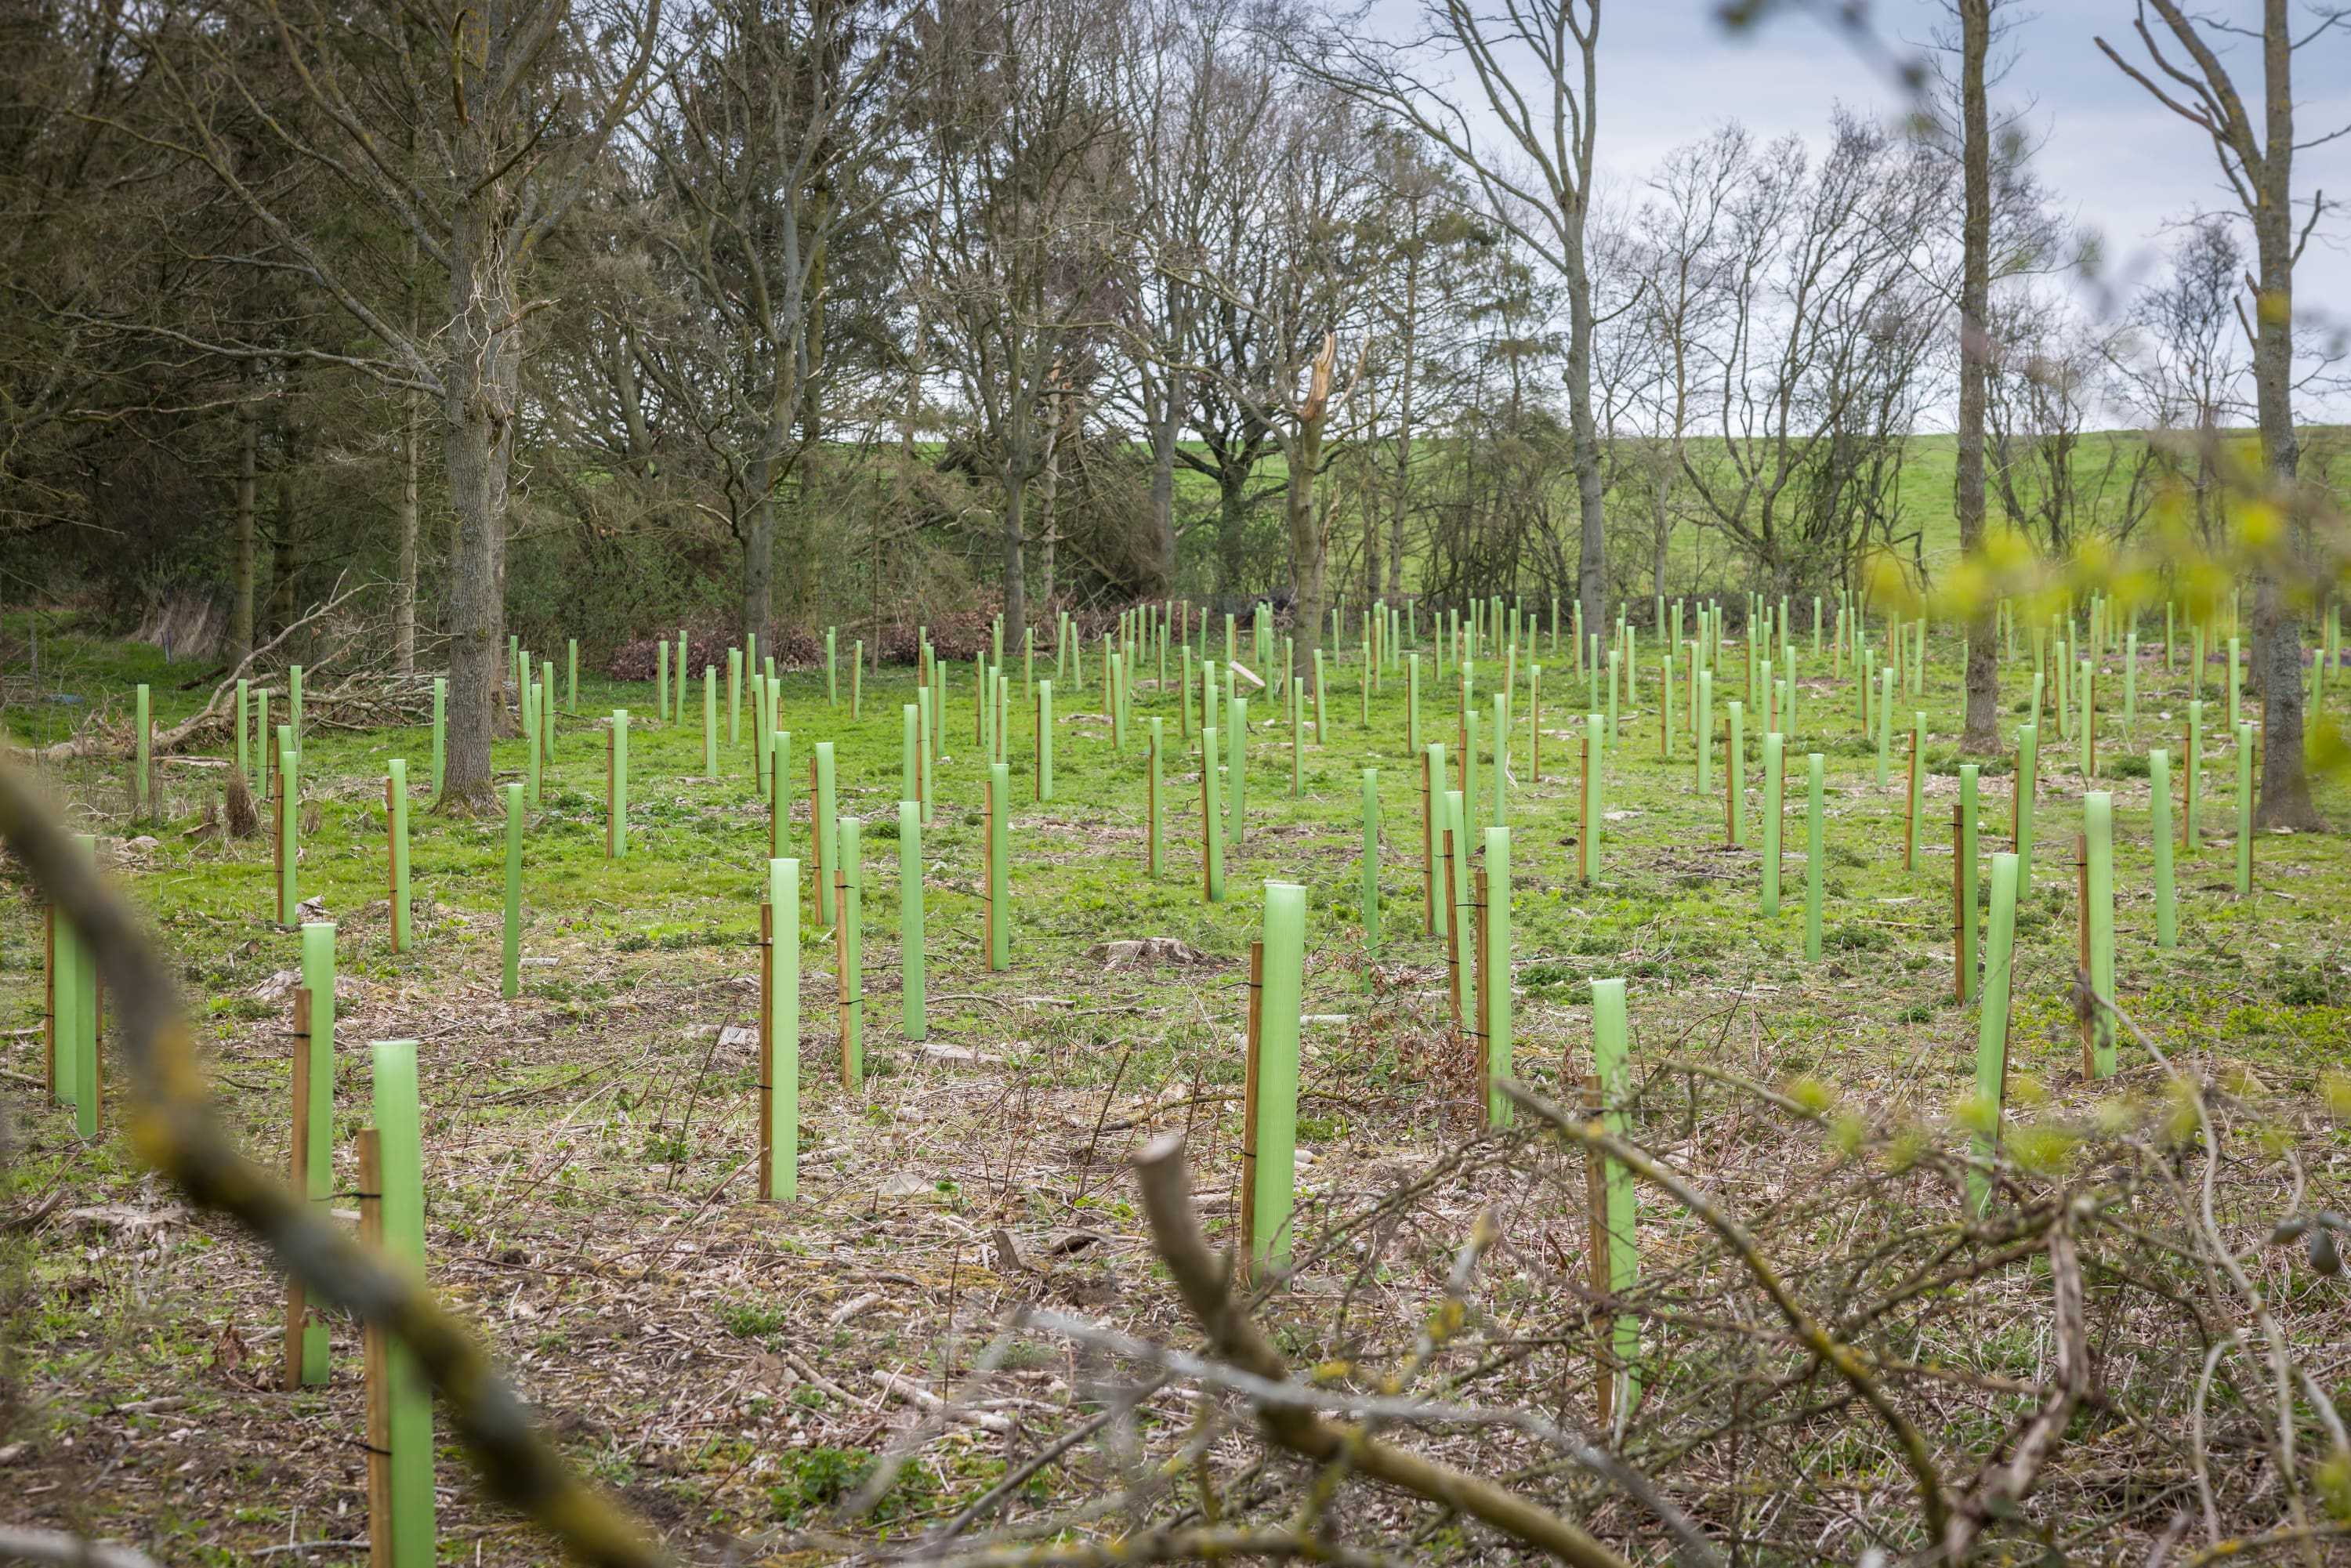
471, 132
1533, 70
2257, 161
1026, 157
779, 132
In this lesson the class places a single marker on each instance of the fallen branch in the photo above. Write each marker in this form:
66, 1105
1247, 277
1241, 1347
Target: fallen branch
94, 743
23, 1543
1205, 1286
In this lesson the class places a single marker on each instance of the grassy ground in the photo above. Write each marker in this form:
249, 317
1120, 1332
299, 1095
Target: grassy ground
725, 1364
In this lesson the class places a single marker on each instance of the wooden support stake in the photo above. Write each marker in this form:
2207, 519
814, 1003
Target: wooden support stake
767, 1050
1452, 923
297, 1306
1481, 982
1595, 1217
2081, 951
375, 1358
1256, 1016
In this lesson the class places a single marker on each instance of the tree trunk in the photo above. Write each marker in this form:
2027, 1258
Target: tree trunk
1232, 525
1166, 431
478, 401
403, 590
285, 559
1590, 570
240, 617
1016, 560
2285, 800
758, 538
1980, 736
1050, 495
1402, 508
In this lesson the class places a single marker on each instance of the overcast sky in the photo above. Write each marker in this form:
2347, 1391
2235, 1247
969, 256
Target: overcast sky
2119, 162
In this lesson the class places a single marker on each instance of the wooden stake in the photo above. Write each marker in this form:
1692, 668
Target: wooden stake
1595, 1216
1452, 923
374, 1350
1256, 1016
767, 1051
1481, 980
2082, 948
297, 1307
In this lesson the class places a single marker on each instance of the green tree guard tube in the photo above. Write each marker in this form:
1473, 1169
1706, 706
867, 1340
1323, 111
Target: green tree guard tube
1813, 764
1704, 743
547, 712
1212, 819
1884, 722
1183, 706
2085, 711
1615, 659
1269, 1157
850, 895
824, 832
1774, 767
1665, 706
2194, 782
734, 696
1296, 698
1494, 973
913, 1016
1469, 770
571, 674
1991, 1023
1237, 767
1412, 704
2130, 685
661, 679
1595, 779
709, 722
408, 1397
396, 826
2158, 798
2098, 828
289, 828
1498, 759
1370, 895
2245, 810
779, 1054
1114, 689
440, 730
1734, 772
763, 755
2236, 685
1319, 679
530, 743
909, 772
1917, 792
779, 795
1611, 1061
1964, 882
2028, 767
1044, 740
833, 665
751, 666
924, 771
294, 707
999, 867
1003, 716
317, 1175
244, 742
264, 747
144, 760
510, 982
616, 788
1151, 804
